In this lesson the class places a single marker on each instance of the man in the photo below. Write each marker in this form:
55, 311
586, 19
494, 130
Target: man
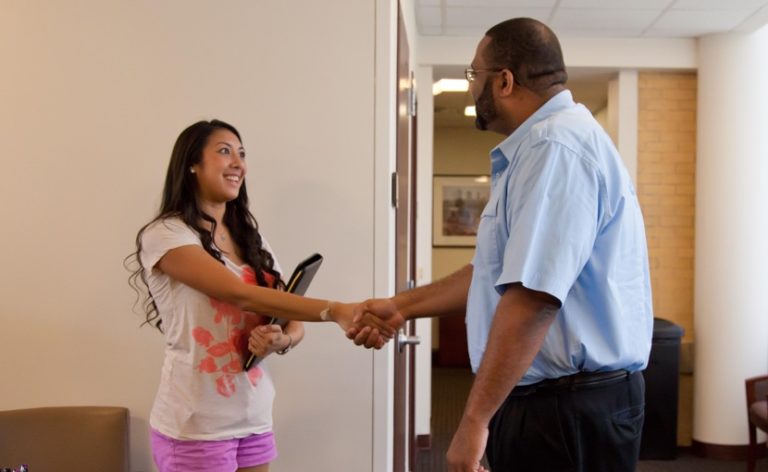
557, 298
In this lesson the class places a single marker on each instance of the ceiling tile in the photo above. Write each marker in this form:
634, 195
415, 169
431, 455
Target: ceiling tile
502, 3
718, 4
600, 33
707, 21
676, 33
580, 19
758, 20
595, 18
617, 4
457, 17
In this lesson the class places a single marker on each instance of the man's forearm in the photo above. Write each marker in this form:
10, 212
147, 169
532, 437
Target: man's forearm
447, 296
519, 327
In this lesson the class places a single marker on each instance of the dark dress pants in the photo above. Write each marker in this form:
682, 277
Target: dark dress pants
587, 429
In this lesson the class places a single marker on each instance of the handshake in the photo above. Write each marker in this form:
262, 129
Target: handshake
371, 323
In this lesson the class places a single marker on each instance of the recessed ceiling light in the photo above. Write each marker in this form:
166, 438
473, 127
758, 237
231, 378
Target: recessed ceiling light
449, 85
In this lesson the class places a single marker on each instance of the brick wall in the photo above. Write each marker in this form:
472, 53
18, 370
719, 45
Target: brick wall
666, 165
666, 188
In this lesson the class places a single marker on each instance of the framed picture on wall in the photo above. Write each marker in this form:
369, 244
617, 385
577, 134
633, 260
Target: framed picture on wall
458, 202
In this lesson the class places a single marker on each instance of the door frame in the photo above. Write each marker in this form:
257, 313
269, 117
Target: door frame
385, 146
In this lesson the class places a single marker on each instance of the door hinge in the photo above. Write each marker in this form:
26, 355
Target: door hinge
394, 189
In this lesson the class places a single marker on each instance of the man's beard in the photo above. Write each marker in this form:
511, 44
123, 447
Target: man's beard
485, 109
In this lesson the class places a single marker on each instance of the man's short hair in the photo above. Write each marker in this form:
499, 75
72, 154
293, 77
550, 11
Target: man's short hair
530, 50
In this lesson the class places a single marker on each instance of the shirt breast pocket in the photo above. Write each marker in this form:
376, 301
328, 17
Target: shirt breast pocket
488, 234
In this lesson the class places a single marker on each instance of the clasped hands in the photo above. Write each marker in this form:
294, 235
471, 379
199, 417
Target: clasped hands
371, 323
374, 322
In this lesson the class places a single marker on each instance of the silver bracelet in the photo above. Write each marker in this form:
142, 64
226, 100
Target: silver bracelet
288, 347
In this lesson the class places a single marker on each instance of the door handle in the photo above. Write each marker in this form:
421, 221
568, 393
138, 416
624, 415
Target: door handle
405, 340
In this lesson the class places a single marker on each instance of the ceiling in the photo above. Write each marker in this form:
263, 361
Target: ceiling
595, 18
580, 18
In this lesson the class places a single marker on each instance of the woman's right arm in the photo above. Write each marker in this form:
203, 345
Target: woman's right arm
447, 296
194, 267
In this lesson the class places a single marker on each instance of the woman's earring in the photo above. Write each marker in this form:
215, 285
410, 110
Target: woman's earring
191, 170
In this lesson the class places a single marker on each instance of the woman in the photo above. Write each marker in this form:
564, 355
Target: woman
210, 274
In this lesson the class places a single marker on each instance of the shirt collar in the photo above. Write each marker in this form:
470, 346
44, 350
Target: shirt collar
501, 154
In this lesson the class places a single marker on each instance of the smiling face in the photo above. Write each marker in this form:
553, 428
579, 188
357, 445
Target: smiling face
222, 168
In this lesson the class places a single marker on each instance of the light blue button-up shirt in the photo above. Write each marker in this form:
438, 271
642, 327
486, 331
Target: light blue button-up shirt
563, 218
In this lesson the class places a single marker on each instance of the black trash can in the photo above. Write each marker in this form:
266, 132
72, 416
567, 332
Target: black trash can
662, 379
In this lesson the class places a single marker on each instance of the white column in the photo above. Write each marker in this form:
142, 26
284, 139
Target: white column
730, 303
622, 117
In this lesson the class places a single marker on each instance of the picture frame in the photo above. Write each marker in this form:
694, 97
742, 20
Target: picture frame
458, 202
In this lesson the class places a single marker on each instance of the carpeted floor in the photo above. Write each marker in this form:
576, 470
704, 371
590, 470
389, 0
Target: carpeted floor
450, 388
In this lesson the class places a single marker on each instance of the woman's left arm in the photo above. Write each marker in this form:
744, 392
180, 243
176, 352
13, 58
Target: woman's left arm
295, 331
266, 339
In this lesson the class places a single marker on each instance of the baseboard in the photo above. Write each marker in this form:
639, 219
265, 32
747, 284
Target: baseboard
724, 452
423, 441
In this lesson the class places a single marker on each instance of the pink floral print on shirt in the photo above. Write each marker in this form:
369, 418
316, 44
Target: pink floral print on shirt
225, 356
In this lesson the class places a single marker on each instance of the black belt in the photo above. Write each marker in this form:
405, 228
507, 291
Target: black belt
577, 381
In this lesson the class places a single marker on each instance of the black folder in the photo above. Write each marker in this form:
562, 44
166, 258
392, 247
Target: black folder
298, 283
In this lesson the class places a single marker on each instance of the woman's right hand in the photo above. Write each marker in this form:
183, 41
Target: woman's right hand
368, 318
373, 327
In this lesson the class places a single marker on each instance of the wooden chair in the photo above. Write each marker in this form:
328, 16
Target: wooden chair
65, 438
757, 413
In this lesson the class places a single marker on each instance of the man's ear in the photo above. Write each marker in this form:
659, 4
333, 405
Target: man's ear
507, 82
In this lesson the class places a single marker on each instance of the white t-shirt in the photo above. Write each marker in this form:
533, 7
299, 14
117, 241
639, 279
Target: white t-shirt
204, 392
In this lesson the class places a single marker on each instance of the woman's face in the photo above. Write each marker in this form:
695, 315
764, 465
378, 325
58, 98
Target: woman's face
221, 171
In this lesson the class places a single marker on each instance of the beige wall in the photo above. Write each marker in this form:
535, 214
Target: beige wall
458, 151
93, 94
463, 151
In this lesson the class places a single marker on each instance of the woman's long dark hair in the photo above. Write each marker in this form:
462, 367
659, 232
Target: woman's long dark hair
180, 200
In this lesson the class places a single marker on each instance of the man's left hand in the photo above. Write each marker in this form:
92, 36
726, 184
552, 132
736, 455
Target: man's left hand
467, 447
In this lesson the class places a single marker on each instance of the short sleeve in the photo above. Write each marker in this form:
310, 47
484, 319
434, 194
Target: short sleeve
268, 248
163, 235
552, 216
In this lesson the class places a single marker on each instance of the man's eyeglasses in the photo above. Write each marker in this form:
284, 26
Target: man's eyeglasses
471, 73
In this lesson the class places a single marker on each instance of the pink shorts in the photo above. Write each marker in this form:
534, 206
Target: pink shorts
228, 455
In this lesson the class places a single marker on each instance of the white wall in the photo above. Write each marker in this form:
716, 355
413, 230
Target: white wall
93, 95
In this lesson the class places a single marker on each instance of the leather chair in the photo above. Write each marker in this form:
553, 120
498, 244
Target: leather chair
757, 413
65, 439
